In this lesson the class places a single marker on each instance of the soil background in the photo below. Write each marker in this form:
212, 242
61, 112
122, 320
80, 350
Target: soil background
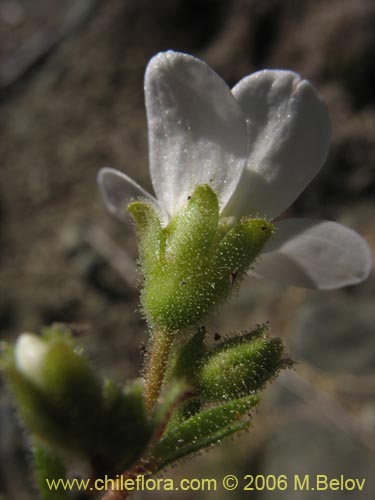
71, 101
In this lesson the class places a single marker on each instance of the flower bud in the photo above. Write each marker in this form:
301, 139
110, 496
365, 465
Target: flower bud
64, 403
57, 391
241, 366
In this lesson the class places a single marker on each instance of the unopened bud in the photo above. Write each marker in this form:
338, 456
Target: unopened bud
241, 366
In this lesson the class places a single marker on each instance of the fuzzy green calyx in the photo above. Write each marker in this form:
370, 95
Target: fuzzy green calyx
193, 264
150, 236
241, 366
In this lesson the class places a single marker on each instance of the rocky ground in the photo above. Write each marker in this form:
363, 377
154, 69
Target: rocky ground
71, 101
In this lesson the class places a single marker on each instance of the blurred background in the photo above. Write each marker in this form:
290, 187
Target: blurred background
71, 101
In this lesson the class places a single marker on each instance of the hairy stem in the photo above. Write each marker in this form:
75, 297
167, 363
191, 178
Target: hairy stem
156, 367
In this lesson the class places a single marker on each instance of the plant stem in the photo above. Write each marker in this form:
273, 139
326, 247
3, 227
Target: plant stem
122, 494
156, 367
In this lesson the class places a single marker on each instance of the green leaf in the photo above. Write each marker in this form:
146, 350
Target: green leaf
202, 444
201, 430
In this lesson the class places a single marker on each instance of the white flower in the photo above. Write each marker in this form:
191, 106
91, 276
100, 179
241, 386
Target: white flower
258, 146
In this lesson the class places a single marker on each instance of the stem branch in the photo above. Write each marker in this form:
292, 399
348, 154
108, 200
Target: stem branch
156, 367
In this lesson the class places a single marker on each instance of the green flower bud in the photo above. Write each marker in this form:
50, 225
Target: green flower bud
194, 263
53, 366
241, 366
57, 391
65, 404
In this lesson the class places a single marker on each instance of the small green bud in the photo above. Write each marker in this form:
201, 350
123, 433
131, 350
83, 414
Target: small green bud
65, 404
192, 265
63, 375
57, 391
241, 366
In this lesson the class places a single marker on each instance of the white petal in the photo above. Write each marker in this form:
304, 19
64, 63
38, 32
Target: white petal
315, 254
289, 134
197, 133
29, 353
118, 190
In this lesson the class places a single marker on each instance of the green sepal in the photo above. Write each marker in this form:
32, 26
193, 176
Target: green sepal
241, 365
192, 264
239, 248
192, 231
178, 292
202, 430
151, 238
48, 466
